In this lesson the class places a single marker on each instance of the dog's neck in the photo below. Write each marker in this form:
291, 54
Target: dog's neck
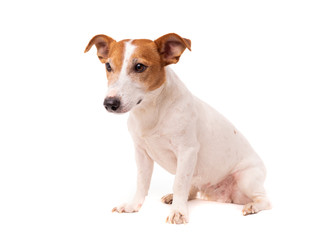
155, 104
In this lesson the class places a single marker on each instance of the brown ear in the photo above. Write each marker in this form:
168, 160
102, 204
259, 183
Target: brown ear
102, 43
171, 46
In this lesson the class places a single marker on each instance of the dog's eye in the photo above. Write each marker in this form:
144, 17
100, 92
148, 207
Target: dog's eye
108, 67
140, 67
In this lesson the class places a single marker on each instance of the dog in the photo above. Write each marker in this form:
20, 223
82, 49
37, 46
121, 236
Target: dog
210, 158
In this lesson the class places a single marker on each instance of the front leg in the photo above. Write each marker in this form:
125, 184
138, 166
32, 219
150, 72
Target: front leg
145, 169
186, 161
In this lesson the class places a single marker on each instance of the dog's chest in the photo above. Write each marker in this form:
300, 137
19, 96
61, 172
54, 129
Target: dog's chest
160, 149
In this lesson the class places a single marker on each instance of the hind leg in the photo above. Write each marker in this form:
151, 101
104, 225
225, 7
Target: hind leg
250, 183
167, 199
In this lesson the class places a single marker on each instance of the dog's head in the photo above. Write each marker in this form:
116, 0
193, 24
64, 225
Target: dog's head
135, 67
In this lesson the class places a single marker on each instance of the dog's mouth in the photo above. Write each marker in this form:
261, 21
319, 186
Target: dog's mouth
125, 108
139, 101
119, 107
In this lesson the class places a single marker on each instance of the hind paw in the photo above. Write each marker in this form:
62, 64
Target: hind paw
167, 199
249, 208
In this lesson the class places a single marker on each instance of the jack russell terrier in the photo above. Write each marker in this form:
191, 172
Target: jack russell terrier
209, 157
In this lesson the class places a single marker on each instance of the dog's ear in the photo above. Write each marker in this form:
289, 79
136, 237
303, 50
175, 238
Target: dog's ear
102, 43
171, 46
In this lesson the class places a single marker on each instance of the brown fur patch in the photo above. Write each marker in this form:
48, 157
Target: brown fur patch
103, 44
146, 52
171, 46
115, 59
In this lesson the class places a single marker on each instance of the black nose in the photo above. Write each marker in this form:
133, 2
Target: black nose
111, 104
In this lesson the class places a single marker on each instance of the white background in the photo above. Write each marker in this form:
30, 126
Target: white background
65, 162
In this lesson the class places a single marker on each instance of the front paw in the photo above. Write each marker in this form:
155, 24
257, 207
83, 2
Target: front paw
127, 208
177, 217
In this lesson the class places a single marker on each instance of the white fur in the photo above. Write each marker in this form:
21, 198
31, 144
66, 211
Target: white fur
193, 141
